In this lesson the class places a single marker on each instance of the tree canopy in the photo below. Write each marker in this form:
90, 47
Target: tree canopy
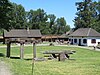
14, 16
18, 17
88, 15
5, 8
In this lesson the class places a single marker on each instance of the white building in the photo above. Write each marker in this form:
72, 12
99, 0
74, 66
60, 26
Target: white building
85, 37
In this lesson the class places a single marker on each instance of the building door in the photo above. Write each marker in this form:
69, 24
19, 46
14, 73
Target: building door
79, 42
71, 41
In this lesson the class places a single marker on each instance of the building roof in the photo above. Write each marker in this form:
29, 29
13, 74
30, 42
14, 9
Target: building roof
22, 33
67, 33
85, 32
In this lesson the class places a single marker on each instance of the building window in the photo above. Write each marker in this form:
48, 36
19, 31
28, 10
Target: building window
98, 42
84, 40
71, 41
93, 41
75, 40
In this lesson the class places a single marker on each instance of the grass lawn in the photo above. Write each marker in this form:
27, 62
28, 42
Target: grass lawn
2, 44
86, 62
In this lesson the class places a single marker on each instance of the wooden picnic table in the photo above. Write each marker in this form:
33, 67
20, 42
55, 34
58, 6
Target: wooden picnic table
61, 54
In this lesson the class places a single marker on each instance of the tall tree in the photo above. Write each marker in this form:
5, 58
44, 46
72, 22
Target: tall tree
97, 26
38, 20
61, 26
5, 7
52, 19
18, 16
86, 14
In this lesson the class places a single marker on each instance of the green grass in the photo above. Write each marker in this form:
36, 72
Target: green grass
2, 44
86, 62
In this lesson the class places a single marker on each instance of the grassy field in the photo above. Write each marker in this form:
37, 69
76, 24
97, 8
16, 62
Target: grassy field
85, 62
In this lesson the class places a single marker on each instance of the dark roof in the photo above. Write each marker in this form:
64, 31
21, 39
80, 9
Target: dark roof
85, 32
69, 32
17, 33
65, 35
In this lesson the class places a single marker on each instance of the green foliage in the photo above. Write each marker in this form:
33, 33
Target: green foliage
97, 26
1, 31
5, 8
84, 62
37, 18
18, 17
51, 19
61, 26
14, 16
87, 15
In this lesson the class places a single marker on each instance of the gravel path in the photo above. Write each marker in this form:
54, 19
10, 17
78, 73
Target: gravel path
4, 70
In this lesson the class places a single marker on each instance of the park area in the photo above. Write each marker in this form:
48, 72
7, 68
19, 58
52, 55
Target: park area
83, 62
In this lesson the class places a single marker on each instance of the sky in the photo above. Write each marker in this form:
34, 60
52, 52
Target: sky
60, 8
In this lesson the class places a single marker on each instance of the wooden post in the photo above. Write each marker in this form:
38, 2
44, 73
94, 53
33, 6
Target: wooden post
34, 50
21, 50
61, 57
8, 49
34, 56
94, 47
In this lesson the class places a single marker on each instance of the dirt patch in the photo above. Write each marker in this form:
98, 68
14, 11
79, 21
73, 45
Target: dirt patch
4, 69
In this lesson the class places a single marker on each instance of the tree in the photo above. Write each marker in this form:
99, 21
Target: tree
61, 26
18, 17
51, 18
14, 16
97, 26
86, 14
38, 20
5, 8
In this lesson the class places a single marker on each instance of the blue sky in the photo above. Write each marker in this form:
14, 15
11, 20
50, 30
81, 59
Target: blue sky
61, 8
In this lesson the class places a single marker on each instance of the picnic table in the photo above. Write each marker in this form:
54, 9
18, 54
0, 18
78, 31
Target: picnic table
61, 54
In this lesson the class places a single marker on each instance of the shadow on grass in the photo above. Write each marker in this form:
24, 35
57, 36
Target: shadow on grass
15, 57
36, 59
2, 55
19, 58
28, 59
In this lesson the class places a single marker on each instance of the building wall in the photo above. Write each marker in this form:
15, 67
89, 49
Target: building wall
80, 42
77, 43
93, 44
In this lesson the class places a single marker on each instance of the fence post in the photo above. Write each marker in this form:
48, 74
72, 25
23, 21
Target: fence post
34, 50
8, 49
21, 50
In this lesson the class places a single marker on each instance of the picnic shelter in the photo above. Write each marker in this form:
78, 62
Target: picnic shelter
21, 36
